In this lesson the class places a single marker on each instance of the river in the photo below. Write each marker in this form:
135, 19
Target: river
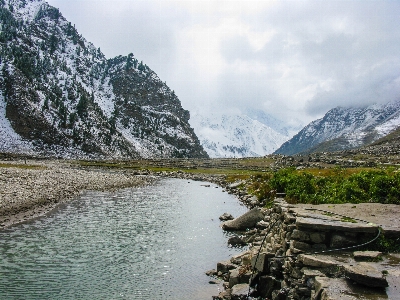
154, 242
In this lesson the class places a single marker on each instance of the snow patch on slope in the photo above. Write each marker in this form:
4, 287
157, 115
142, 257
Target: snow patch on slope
236, 135
10, 141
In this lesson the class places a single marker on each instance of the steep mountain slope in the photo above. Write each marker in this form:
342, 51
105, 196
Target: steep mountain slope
345, 128
234, 135
61, 96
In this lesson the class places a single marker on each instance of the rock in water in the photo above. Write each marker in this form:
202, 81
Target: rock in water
247, 220
236, 241
226, 217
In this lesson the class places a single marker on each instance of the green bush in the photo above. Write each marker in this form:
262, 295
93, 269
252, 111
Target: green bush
381, 186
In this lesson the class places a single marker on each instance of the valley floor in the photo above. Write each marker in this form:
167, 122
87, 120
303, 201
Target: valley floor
29, 189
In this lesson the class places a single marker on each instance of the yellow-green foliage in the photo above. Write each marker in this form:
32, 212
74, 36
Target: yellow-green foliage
21, 166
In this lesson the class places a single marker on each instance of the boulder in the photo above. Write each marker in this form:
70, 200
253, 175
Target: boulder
225, 266
247, 220
240, 291
236, 241
235, 185
226, 217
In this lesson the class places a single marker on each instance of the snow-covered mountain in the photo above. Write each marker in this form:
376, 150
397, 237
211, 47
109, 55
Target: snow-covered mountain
345, 128
239, 135
61, 96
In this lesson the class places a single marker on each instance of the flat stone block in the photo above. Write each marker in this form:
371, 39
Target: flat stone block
326, 225
367, 255
314, 261
366, 274
343, 289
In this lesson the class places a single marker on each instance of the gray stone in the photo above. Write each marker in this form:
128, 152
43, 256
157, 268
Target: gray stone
367, 255
262, 225
365, 274
327, 224
340, 288
247, 220
235, 185
391, 232
311, 273
254, 201
212, 272
240, 291
317, 237
262, 263
225, 266
300, 246
223, 295
234, 277
339, 241
226, 217
315, 261
236, 241
237, 276
300, 235
326, 289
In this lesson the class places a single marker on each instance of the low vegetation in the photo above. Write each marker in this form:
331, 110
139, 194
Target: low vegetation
332, 186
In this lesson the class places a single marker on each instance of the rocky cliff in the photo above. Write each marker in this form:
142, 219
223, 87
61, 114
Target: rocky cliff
61, 96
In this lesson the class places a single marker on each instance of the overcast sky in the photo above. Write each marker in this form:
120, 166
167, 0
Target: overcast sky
292, 59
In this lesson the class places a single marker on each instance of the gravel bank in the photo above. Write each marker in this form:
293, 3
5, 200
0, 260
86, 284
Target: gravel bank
27, 193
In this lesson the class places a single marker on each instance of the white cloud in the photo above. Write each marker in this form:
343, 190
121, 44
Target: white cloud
294, 59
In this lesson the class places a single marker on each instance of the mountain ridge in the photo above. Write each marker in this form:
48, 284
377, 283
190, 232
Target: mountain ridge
62, 96
345, 128
249, 134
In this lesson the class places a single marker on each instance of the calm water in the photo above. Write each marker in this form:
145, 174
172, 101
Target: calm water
150, 243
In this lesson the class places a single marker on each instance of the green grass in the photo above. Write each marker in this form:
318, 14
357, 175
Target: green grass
22, 166
347, 219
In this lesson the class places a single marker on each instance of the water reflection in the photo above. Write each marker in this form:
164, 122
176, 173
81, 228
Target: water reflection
150, 243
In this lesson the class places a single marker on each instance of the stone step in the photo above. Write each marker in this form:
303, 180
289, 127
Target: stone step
341, 288
326, 225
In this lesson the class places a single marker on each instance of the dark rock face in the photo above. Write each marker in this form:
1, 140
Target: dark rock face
60, 92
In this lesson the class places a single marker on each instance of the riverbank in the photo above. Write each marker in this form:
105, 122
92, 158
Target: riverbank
30, 189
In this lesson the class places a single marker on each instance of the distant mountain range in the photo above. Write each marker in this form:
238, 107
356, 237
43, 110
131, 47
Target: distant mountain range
252, 134
61, 96
345, 128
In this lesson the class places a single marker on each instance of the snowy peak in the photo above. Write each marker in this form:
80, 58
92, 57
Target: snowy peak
345, 128
238, 135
